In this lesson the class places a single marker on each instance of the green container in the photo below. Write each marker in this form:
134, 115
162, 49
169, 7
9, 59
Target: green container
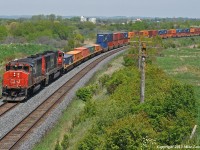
91, 48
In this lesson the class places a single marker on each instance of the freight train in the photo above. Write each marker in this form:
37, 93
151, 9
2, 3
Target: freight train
171, 33
24, 77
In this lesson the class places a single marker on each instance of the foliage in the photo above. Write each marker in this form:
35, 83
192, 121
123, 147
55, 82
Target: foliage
85, 93
58, 146
166, 117
65, 141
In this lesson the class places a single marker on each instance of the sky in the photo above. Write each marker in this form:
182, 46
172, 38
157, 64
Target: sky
145, 8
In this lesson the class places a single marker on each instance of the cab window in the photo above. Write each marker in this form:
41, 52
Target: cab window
26, 68
7, 68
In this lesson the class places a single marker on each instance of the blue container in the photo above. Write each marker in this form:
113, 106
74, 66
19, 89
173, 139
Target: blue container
104, 37
160, 32
104, 45
68, 59
187, 30
179, 30
125, 35
110, 37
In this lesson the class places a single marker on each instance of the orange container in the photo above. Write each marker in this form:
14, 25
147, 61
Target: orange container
77, 55
84, 51
192, 30
131, 34
171, 31
144, 33
97, 47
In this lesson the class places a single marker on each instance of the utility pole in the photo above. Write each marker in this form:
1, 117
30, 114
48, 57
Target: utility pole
142, 86
142, 60
139, 53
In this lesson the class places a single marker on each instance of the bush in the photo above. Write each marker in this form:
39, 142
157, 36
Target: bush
65, 142
84, 94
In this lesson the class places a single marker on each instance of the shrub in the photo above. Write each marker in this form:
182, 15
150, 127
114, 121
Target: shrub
84, 93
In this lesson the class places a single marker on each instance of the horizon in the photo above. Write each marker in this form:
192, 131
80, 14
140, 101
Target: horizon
153, 8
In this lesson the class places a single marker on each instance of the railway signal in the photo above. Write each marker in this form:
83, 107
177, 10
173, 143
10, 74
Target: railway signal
142, 55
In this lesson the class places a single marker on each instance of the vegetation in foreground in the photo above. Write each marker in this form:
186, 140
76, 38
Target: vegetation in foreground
119, 121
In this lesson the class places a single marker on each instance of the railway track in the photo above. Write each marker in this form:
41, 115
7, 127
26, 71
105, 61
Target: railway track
20, 132
6, 107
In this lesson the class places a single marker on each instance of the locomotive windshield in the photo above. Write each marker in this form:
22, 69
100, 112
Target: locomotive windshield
17, 67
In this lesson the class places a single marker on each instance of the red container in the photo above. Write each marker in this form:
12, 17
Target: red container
153, 33
120, 42
115, 36
110, 45
84, 51
115, 43
120, 36
136, 33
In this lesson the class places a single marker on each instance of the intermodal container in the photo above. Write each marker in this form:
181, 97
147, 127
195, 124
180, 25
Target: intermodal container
90, 47
77, 55
97, 47
84, 51
115, 36
179, 30
153, 33
144, 33
187, 30
68, 59
192, 30
171, 31
160, 32
130, 34
136, 33
125, 35
110, 37
104, 37
120, 36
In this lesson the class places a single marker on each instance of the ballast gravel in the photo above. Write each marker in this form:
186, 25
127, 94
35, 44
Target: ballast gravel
12, 118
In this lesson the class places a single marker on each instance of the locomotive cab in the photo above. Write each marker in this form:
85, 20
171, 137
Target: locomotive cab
15, 81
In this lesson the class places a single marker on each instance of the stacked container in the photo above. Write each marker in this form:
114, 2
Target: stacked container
125, 37
68, 59
144, 33
90, 48
153, 33
104, 40
161, 32
97, 47
77, 55
84, 51
115, 40
131, 34
171, 33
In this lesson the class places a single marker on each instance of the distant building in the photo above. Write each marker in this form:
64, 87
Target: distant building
83, 19
93, 20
